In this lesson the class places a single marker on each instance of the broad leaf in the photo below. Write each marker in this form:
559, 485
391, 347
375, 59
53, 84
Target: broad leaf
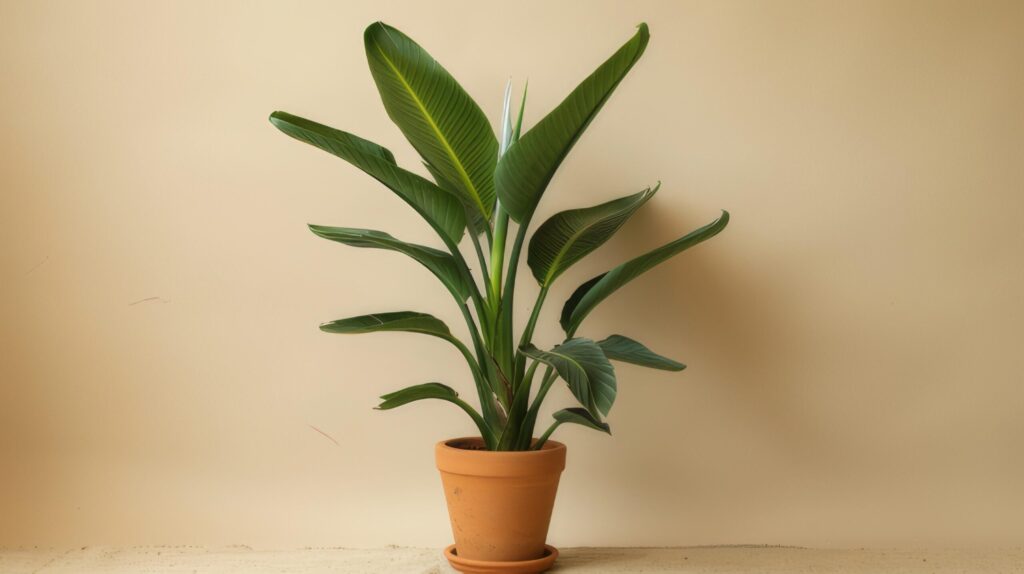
524, 172
582, 364
571, 235
588, 295
581, 417
407, 321
442, 210
417, 393
436, 115
619, 348
441, 264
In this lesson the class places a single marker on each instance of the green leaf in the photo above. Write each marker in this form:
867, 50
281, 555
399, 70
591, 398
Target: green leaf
619, 348
524, 172
417, 393
583, 417
588, 295
441, 392
442, 210
475, 220
436, 115
441, 264
408, 321
571, 235
582, 364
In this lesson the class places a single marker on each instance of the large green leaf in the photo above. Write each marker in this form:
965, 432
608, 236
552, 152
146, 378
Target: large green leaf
436, 115
582, 364
588, 295
441, 264
571, 235
580, 416
524, 172
619, 348
439, 208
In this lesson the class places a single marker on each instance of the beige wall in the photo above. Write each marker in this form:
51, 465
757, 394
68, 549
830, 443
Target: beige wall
854, 338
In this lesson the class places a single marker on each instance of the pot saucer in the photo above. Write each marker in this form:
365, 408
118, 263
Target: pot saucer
490, 567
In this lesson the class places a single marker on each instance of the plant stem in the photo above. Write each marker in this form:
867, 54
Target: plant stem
532, 323
530, 420
509, 437
485, 431
544, 437
484, 387
510, 284
471, 230
498, 255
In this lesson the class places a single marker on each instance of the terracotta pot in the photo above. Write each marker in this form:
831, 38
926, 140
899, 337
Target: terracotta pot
499, 502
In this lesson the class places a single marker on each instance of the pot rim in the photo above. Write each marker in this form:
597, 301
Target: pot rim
550, 459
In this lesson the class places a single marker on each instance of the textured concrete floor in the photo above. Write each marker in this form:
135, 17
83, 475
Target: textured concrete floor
717, 559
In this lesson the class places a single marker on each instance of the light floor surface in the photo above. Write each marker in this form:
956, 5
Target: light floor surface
710, 559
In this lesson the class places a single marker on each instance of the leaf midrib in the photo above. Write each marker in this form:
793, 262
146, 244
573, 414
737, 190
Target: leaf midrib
463, 174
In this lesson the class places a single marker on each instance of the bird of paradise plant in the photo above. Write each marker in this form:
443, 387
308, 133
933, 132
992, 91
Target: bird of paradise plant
488, 188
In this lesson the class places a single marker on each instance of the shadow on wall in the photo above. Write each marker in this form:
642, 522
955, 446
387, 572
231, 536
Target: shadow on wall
719, 307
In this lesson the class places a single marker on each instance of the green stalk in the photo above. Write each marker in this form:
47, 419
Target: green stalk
498, 255
485, 431
530, 421
532, 323
509, 437
483, 388
508, 298
483, 268
500, 344
544, 437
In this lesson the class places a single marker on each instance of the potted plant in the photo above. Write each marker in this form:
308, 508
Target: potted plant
500, 486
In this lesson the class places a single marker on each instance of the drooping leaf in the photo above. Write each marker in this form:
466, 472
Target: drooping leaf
588, 295
583, 417
524, 172
441, 392
441, 264
442, 210
408, 321
437, 116
582, 364
571, 235
619, 348
417, 393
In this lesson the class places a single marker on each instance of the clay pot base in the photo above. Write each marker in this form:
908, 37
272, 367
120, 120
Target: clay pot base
468, 566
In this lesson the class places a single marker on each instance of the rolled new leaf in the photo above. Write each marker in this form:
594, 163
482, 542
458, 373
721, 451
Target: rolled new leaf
582, 364
437, 116
569, 236
441, 264
524, 172
442, 210
626, 350
588, 295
